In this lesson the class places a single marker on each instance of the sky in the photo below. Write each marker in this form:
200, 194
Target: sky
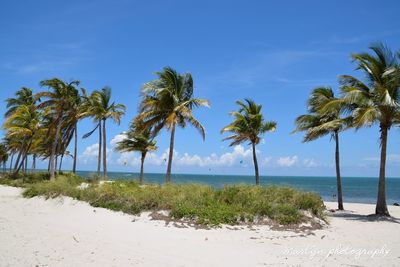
274, 52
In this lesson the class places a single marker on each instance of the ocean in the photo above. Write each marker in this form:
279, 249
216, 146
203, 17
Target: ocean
355, 189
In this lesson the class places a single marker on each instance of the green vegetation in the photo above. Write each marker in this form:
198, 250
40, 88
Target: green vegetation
198, 204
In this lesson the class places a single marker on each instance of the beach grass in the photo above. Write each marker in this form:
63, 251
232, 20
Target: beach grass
194, 203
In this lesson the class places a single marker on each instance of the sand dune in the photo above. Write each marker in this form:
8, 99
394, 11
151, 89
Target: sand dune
66, 232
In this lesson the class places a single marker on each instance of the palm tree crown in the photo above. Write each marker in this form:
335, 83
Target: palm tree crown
248, 124
24, 96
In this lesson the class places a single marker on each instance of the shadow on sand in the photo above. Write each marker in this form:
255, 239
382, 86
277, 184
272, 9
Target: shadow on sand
350, 215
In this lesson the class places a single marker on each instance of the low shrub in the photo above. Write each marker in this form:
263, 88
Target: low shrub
199, 204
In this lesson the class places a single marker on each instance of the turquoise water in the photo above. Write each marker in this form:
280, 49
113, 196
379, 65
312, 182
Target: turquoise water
355, 189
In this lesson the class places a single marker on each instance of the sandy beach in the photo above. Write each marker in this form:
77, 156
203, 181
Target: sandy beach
66, 232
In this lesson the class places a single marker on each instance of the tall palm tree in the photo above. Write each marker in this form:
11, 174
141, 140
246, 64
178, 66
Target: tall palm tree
248, 126
142, 142
375, 101
72, 117
99, 106
60, 99
324, 118
168, 102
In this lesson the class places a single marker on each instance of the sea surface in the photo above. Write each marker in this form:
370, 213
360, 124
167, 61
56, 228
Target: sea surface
355, 189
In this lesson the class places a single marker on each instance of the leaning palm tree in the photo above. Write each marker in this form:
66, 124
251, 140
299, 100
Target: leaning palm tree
59, 100
248, 126
324, 118
167, 103
23, 125
142, 142
99, 106
375, 101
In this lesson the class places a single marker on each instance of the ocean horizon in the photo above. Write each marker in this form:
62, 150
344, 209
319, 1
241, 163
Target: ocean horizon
355, 189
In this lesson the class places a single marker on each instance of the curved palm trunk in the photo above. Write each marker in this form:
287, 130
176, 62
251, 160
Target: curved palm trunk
24, 156
170, 156
75, 147
381, 207
255, 164
104, 151
99, 157
338, 177
54, 150
142, 167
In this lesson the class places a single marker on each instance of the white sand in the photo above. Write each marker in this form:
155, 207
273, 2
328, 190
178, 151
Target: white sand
66, 232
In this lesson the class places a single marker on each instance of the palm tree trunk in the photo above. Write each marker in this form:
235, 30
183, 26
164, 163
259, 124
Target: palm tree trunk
61, 162
104, 151
255, 164
25, 155
54, 150
338, 177
26, 163
99, 157
22, 164
33, 163
142, 167
170, 156
75, 148
381, 207
11, 161
56, 163
18, 159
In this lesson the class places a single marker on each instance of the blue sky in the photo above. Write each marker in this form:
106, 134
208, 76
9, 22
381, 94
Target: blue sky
274, 52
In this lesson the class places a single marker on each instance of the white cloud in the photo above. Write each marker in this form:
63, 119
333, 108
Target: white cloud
239, 155
91, 153
117, 138
309, 163
391, 159
266, 161
287, 161
236, 156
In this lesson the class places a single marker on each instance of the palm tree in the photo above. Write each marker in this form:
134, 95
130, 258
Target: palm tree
60, 99
99, 106
324, 118
23, 125
74, 114
375, 101
248, 126
24, 96
168, 102
142, 142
